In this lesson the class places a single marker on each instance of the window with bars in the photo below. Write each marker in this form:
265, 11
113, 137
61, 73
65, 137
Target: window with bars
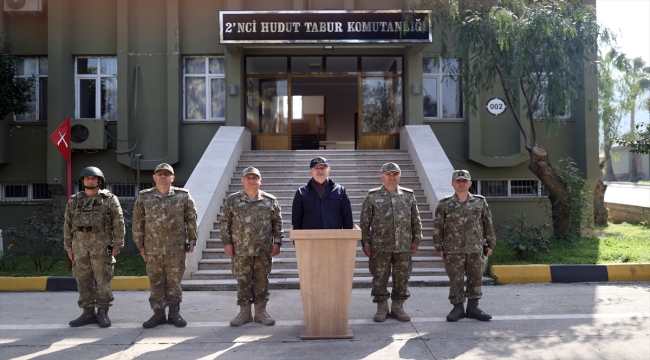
25, 192
41, 191
441, 83
204, 85
508, 188
28, 67
96, 88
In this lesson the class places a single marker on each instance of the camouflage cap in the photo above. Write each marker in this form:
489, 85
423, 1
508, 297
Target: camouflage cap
388, 167
318, 160
461, 174
164, 166
251, 170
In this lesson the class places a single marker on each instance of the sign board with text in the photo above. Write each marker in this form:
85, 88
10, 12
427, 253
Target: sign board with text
320, 27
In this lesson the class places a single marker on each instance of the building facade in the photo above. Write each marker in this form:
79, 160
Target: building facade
151, 81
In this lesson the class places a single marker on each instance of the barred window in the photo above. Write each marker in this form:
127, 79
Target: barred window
14, 192
204, 88
494, 187
524, 187
41, 191
443, 97
122, 190
508, 188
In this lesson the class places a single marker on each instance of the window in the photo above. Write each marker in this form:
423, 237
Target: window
443, 97
563, 111
92, 103
25, 192
205, 88
122, 190
508, 188
28, 67
41, 192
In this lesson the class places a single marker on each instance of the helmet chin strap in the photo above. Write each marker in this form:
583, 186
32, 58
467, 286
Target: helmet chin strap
91, 187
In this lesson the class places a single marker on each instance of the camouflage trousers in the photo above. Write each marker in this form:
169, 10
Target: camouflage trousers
93, 275
165, 273
458, 266
380, 268
252, 275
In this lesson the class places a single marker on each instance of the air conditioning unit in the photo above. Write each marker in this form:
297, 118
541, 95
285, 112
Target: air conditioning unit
23, 5
88, 134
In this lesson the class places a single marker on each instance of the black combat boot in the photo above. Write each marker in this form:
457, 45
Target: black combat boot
88, 317
175, 317
474, 312
158, 318
102, 317
458, 312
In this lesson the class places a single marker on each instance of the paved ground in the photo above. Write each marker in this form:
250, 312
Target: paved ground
628, 194
534, 321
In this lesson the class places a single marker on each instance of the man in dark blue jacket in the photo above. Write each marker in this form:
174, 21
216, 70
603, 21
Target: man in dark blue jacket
322, 203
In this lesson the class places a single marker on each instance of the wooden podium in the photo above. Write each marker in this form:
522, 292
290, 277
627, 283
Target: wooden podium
326, 267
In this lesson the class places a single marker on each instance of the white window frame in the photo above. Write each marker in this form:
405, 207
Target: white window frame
439, 76
29, 197
208, 89
509, 194
98, 80
37, 88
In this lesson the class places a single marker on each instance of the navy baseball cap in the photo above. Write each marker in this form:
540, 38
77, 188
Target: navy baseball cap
318, 160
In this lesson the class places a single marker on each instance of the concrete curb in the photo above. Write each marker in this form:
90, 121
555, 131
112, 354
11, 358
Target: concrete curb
68, 283
523, 274
504, 274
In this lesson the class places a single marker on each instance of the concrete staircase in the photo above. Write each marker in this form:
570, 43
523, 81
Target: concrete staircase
282, 173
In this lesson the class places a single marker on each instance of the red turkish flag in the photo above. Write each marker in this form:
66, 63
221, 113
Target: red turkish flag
61, 139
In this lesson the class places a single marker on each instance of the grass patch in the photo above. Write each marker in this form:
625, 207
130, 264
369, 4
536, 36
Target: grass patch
612, 244
20, 265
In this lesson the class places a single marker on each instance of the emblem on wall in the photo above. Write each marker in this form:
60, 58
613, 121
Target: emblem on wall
496, 106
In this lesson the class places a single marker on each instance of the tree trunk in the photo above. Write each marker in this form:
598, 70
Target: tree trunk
609, 169
559, 194
600, 211
634, 175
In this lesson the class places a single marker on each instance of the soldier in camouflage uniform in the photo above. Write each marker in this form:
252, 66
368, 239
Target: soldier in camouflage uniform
93, 233
251, 233
164, 218
461, 223
391, 233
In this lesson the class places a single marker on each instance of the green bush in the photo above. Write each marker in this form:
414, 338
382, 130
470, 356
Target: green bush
525, 239
41, 237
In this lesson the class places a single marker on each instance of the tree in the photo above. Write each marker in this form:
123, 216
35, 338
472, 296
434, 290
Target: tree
16, 93
637, 80
640, 142
536, 54
610, 112
609, 115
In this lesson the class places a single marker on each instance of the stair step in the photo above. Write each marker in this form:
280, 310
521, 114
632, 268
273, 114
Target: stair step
283, 172
293, 273
294, 283
290, 252
292, 263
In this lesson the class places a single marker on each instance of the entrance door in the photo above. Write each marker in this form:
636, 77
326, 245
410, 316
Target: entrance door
380, 99
354, 102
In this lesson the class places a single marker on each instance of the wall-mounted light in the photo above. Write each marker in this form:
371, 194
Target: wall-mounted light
415, 89
328, 47
233, 89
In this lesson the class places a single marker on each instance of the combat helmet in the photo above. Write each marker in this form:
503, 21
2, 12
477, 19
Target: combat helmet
92, 171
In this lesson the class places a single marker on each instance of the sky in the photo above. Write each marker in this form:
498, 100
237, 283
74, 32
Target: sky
630, 20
